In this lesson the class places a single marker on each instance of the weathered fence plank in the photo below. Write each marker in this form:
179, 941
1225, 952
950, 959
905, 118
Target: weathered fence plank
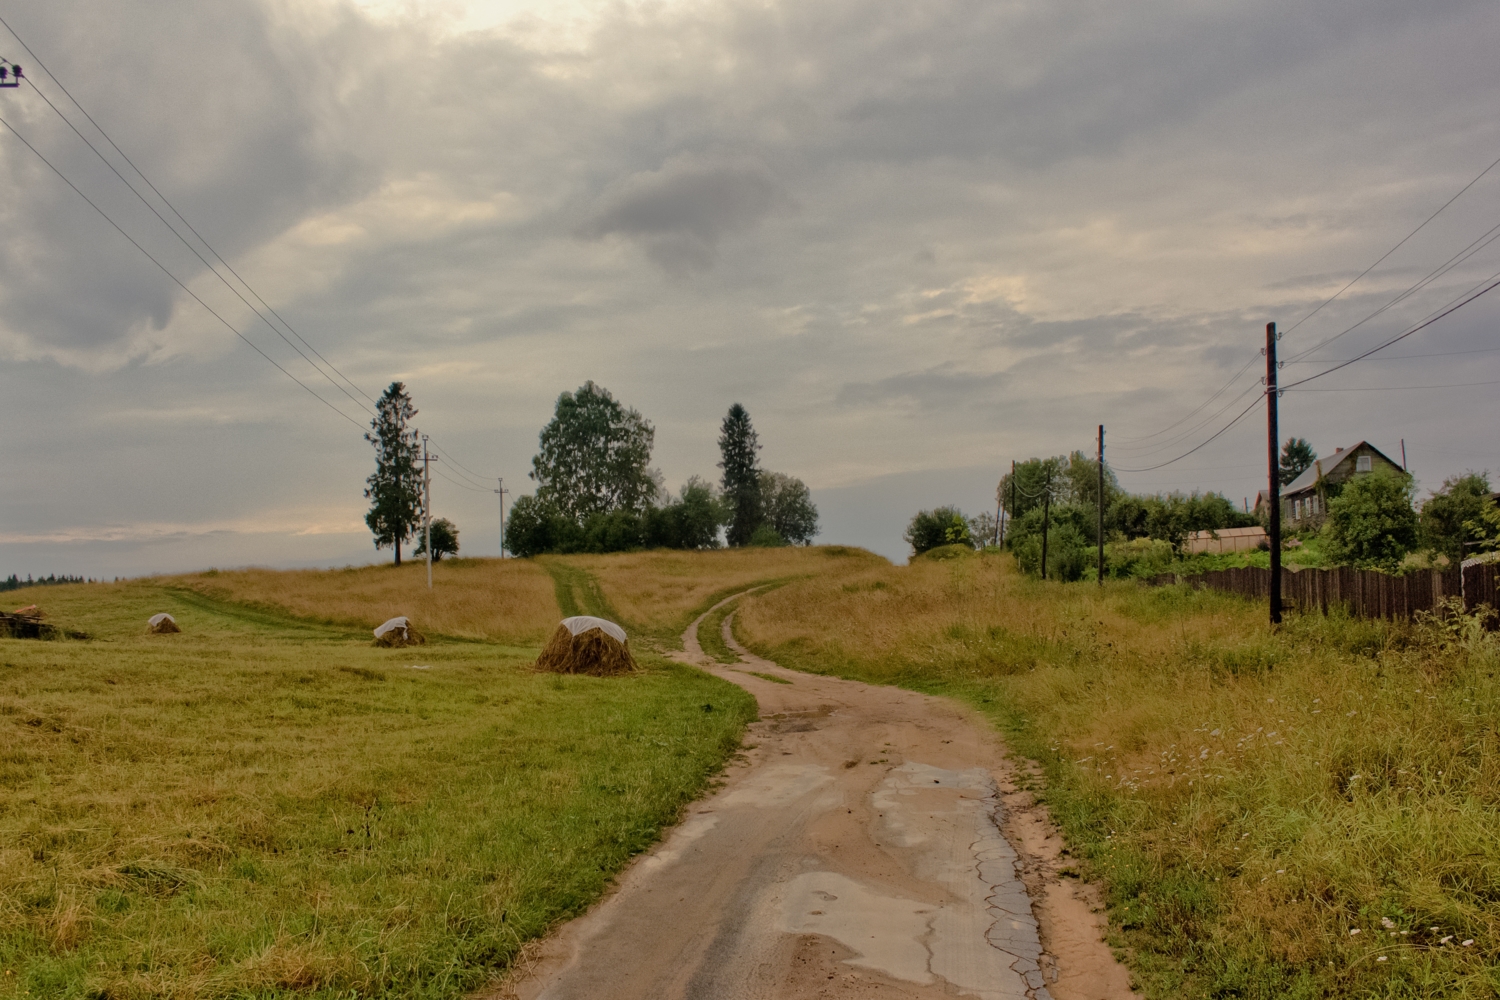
1366, 593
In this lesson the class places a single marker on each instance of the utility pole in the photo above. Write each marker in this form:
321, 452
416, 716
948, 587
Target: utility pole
1403, 454
427, 506
501, 492
1273, 433
1046, 519
1010, 509
1101, 505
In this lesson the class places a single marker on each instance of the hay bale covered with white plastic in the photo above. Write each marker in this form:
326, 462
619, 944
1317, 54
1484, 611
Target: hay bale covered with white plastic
397, 633
162, 624
587, 645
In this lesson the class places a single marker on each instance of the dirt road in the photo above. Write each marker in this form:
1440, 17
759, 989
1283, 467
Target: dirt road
869, 843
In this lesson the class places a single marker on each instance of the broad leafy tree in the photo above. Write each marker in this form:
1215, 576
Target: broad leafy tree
1452, 519
786, 505
1297, 456
1371, 523
595, 457
395, 489
444, 539
930, 529
738, 445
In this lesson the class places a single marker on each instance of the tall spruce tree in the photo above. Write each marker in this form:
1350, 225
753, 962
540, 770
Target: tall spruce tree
1296, 456
395, 489
738, 444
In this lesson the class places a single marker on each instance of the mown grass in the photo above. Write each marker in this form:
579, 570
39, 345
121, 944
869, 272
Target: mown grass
503, 600
1310, 813
265, 806
658, 594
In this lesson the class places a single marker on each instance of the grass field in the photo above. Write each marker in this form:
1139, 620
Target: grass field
267, 806
1312, 813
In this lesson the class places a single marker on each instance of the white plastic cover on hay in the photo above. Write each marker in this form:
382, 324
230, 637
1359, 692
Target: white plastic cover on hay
582, 623
163, 617
392, 625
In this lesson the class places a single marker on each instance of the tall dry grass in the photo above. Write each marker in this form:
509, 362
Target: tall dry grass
1311, 813
502, 600
661, 592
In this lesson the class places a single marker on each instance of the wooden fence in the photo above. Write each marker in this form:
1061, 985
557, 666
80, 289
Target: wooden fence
1364, 592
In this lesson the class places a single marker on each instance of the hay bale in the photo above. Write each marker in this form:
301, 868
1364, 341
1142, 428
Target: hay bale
162, 624
397, 633
587, 645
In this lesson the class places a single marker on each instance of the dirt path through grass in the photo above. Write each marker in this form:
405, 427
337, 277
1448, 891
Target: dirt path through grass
870, 842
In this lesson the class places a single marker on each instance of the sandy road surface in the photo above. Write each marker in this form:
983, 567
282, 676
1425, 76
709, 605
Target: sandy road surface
869, 843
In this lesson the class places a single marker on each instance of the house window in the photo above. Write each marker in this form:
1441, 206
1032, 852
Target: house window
1296, 510
1362, 463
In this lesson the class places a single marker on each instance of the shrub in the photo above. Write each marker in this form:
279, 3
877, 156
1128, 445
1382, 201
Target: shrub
1371, 523
767, 537
941, 526
1453, 516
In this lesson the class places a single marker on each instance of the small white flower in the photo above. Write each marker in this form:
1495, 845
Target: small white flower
1445, 939
1353, 931
1281, 871
1387, 923
1380, 959
1468, 942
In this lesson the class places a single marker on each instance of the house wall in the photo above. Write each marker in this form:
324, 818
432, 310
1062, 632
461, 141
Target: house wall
1309, 507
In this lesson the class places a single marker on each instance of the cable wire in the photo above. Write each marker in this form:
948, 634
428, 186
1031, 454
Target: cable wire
208, 246
1463, 255
1420, 326
175, 279
1383, 256
1390, 388
1221, 430
1125, 443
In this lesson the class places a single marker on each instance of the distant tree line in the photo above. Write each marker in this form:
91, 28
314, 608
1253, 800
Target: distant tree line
14, 582
597, 492
1372, 520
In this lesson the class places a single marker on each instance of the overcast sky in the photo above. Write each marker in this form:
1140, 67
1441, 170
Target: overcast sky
916, 241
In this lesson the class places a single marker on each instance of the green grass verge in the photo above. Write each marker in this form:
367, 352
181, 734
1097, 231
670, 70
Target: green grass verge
262, 807
1237, 859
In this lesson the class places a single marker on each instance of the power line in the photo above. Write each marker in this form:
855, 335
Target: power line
1188, 433
174, 277
1420, 326
1218, 392
208, 246
1392, 250
1392, 388
194, 250
1473, 248
1221, 430
1410, 357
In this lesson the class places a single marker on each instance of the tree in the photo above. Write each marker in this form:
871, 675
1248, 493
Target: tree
1031, 479
690, 522
395, 489
594, 457
786, 505
1453, 516
1297, 456
444, 540
930, 529
983, 529
738, 444
1371, 523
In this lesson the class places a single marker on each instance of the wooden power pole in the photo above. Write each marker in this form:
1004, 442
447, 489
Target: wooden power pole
1101, 505
1273, 433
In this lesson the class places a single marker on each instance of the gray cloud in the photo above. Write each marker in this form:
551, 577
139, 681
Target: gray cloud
681, 212
905, 236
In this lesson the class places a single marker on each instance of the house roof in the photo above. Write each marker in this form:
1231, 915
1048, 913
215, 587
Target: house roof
1312, 473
